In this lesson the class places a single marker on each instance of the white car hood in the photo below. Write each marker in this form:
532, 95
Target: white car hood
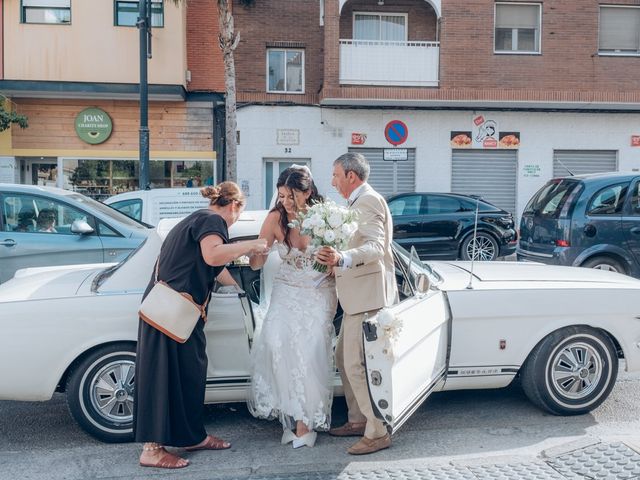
457, 274
49, 282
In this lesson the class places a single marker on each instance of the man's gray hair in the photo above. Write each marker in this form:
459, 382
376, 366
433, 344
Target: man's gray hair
354, 162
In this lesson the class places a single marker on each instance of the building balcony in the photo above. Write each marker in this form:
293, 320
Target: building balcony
389, 63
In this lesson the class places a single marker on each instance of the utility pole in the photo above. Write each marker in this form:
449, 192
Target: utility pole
144, 25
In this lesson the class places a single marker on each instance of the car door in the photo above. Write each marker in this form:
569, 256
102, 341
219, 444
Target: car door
443, 219
407, 349
407, 221
603, 218
631, 220
37, 232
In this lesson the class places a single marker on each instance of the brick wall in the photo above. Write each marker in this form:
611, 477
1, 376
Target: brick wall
422, 19
569, 59
277, 22
204, 58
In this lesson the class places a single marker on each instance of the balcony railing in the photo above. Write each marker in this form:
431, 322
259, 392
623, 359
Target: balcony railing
374, 62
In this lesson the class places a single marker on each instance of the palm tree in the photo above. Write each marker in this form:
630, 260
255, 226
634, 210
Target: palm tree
229, 40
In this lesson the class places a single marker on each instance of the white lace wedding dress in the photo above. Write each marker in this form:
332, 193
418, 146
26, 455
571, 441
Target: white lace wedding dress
292, 356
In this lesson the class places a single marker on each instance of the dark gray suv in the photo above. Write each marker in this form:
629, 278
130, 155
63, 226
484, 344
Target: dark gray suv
586, 220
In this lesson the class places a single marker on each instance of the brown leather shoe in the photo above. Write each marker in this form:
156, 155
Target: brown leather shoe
366, 445
349, 430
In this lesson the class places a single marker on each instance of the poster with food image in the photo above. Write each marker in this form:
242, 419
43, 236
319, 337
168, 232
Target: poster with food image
509, 140
461, 139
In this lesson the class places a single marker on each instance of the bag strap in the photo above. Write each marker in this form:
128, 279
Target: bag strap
202, 307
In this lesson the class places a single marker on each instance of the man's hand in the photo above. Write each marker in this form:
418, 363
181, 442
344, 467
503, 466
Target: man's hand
328, 256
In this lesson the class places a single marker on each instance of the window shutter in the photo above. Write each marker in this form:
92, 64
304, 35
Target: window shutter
619, 28
47, 3
517, 16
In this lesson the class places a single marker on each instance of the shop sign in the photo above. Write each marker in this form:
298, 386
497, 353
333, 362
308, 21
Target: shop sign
395, 154
635, 140
531, 170
358, 138
93, 125
484, 133
396, 132
288, 136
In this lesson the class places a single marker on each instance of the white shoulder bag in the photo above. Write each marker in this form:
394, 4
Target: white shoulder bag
173, 313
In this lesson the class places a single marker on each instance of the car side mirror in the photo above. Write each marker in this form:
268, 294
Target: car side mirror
422, 284
81, 227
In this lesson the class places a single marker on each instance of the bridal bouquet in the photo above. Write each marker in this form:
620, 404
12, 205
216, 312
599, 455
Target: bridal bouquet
328, 224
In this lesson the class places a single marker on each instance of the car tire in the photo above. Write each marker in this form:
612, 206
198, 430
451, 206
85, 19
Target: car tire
571, 371
486, 247
605, 263
100, 392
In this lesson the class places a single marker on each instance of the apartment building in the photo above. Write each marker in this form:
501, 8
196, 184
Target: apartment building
72, 67
472, 96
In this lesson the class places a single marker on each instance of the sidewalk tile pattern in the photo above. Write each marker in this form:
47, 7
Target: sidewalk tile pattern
603, 461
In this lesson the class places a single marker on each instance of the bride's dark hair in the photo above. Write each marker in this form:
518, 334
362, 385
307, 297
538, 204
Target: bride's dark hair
295, 178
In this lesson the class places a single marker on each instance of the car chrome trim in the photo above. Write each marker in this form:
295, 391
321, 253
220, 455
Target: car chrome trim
519, 251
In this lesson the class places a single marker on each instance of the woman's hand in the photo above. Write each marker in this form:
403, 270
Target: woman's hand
258, 247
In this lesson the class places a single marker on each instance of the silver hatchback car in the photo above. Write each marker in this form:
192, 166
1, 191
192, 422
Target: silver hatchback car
44, 226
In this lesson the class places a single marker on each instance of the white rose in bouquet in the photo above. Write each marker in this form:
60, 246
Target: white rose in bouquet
329, 236
328, 224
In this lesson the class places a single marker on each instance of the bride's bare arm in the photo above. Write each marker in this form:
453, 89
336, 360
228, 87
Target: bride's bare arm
217, 253
268, 233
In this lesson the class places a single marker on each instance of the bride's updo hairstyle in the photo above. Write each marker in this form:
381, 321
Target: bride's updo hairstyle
295, 178
223, 194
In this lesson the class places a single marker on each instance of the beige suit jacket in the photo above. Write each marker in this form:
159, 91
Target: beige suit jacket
370, 282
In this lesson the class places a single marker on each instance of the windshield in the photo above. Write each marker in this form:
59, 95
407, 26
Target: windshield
550, 199
108, 211
404, 259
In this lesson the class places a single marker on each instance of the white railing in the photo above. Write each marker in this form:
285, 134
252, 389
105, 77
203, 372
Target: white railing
376, 62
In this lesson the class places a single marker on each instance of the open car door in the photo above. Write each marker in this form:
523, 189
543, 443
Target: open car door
407, 346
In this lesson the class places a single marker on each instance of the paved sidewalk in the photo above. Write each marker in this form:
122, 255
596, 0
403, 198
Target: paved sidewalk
597, 461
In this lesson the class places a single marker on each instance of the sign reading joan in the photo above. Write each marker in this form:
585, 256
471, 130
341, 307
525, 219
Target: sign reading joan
93, 125
395, 154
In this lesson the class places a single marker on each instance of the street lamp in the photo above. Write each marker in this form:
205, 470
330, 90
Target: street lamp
144, 26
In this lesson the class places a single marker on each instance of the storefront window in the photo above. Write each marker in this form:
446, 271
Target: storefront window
101, 179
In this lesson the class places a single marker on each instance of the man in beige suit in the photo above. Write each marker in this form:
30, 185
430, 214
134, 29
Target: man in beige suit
365, 279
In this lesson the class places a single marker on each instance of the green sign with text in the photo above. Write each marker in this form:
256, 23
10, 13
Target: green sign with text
93, 125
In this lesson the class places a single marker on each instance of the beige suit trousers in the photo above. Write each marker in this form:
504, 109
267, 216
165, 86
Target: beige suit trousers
350, 360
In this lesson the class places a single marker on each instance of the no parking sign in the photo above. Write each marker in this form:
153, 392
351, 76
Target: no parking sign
396, 132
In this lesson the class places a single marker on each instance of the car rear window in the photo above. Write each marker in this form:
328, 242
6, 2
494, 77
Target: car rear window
550, 199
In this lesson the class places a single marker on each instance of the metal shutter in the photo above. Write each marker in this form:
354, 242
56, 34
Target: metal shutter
583, 161
488, 173
388, 177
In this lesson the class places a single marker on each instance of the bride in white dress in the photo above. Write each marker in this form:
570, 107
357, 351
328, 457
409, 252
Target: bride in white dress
292, 358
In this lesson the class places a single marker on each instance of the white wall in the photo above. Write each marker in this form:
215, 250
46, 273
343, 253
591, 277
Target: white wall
326, 133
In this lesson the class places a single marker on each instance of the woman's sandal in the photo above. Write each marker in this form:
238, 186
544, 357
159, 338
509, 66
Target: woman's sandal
210, 443
168, 460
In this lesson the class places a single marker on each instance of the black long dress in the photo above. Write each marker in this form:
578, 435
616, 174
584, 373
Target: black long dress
171, 377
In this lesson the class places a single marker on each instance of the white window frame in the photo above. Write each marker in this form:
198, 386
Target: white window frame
605, 53
514, 32
380, 14
44, 5
156, 2
304, 61
276, 161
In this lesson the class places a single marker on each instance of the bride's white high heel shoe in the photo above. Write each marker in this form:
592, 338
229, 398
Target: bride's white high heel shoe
287, 437
308, 439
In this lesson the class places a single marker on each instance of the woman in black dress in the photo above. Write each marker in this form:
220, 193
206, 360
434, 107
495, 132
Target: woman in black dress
171, 376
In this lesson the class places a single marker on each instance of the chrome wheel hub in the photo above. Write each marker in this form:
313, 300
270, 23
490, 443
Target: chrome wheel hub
112, 391
576, 370
481, 248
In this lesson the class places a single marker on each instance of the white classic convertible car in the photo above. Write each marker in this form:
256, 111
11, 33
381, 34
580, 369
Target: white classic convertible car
560, 329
